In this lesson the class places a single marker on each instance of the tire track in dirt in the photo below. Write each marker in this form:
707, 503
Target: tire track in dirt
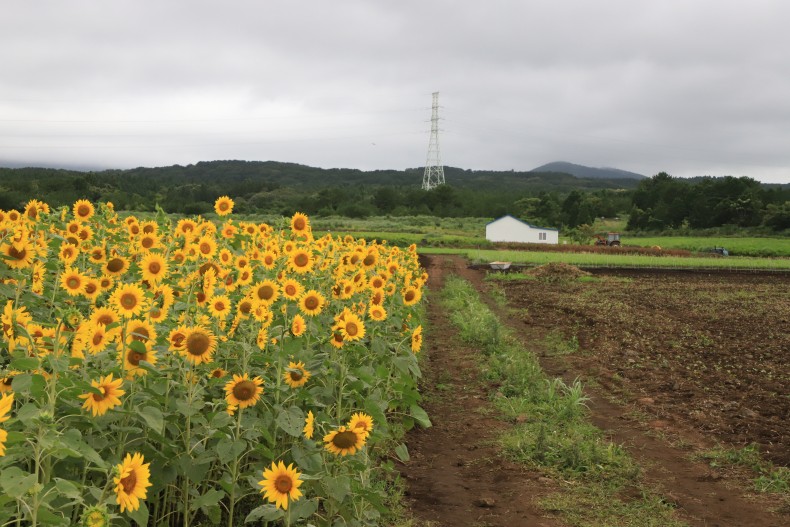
455, 476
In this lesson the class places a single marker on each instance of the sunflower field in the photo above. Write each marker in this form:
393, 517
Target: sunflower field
193, 372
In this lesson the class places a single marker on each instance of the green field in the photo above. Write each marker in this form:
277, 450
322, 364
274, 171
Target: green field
736, 246
613, 260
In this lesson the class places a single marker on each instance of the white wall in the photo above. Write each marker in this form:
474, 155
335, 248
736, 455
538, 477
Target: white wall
509, 229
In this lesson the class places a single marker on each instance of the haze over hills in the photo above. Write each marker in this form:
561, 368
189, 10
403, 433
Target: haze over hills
581, 171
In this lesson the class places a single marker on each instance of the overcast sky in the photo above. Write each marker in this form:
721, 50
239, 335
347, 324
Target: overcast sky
689, 87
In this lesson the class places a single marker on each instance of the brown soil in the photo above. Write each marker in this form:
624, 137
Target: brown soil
455, 476
691, 360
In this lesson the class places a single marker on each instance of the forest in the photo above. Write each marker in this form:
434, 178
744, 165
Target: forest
554, 199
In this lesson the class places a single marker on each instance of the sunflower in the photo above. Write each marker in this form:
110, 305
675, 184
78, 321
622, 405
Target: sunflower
219, 306
141, 331
72, 281
280, 484
128, 300
296, 375
361, 422
11, 320
266, 291
18, 256
134, 356
300, 224
411, 295
92, 289
312, 302
3, 437
131, 482
95, 516
377, 313
83, 210
351, 327
34, 208
291, 288
68, 253
309, 424
99, 403
116, 266
104, 316
206, 246
154, 268
242, 391
217, 373
5, 382
198, 345
186, 228
149, 241
177, 338
344, 441
301, 261
6, 401
97, 337
298, 326
337, 339
269, 259
416, 339
223, 206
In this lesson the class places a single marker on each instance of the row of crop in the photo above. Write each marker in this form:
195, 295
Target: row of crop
194, 373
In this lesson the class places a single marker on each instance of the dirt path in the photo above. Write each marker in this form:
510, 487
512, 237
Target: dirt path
455, 474
455, 477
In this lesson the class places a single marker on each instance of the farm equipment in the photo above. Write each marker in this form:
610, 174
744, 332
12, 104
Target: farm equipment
611, 239
721, 251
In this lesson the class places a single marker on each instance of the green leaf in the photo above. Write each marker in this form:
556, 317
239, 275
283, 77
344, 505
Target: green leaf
67, 488
153, 418
140, 516
212, 497
402, 452
420, 416
303, 509
228, 450
266, 512
291, 421
15, 482
337, 488
25, 363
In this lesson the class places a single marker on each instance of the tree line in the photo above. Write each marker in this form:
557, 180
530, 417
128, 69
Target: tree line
548, 199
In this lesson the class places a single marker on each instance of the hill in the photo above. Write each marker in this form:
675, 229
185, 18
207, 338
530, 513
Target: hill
581, 171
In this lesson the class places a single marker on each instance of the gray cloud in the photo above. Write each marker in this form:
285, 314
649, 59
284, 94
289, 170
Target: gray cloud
691, 88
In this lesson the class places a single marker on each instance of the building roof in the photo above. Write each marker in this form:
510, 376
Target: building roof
524, 222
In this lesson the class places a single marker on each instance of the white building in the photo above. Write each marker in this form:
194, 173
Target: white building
509, 229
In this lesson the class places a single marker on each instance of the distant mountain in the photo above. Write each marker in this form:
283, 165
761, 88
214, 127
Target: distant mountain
581, 171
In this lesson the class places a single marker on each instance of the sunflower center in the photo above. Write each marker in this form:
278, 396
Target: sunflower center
115, 265
283, 484
301, 260
135, 357
105, 320
296, 375
345, 439
245, 307
219, 306
73, 282
265, 292
19, 255
223, 206
198, 344
90, 288
205, 248
409, 296
97, 339
352, 329
100, 397
311, 302
128, 301
83, 210
369, 260
129, 482
154, 267
290, 289
244, 390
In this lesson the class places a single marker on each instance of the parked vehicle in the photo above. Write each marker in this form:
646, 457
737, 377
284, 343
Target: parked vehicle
611, 239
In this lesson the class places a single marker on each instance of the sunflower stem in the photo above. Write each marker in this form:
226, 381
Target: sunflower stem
234, 472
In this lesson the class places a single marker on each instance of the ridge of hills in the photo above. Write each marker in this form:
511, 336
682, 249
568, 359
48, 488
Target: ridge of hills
582, 171
275, 174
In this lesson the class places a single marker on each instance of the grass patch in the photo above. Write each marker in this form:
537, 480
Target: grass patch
551, 431
769, 479
585, 506
558, 345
